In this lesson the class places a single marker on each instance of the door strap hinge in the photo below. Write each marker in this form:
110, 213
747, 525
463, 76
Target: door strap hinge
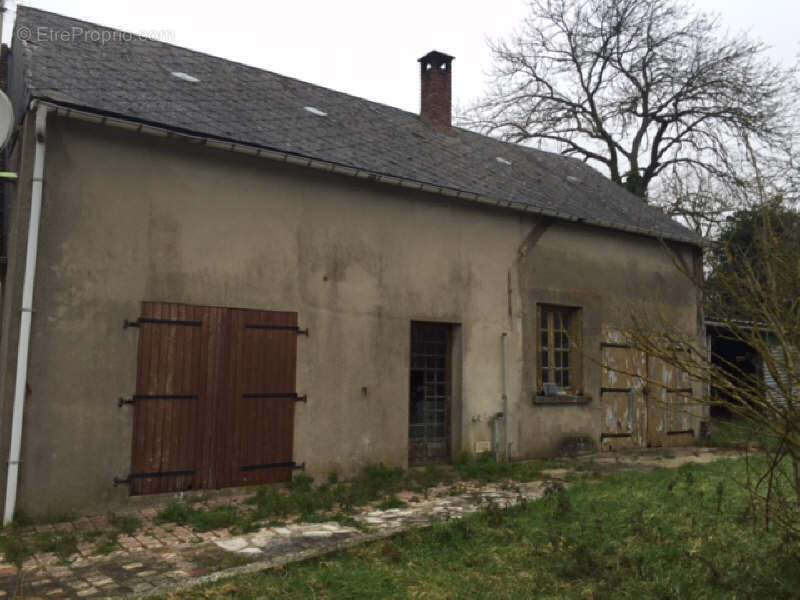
278, 395
614, 345
132, 476
294, 328
614, 435
122, 400
145, 320
617, 390
281, 465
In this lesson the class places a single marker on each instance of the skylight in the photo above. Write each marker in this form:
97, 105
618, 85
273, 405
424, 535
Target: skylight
315, 111
185, 76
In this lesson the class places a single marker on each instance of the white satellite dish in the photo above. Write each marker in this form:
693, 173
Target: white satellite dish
6, 119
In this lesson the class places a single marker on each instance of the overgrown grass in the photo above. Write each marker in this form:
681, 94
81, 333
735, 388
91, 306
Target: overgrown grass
182, 513
684, 533
738, 433
485, 469
336, 500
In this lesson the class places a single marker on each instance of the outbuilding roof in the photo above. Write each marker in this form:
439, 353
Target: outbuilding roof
101, 70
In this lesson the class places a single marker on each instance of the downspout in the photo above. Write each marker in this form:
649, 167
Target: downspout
25, 318
506, 445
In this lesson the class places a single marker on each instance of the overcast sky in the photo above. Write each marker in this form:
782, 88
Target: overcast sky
369, 47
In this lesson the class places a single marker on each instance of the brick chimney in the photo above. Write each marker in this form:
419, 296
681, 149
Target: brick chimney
436, 89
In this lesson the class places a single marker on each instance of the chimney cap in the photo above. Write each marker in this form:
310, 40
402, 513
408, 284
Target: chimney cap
435, 56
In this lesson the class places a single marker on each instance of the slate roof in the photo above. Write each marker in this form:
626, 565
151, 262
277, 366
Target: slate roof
131, 77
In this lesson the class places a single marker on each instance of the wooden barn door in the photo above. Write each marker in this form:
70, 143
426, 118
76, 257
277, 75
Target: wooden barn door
669, 405
645, 402
259, 403
171, 400
624, 418
214, 402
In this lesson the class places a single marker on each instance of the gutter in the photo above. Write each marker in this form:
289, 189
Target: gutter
20, 385
342, 169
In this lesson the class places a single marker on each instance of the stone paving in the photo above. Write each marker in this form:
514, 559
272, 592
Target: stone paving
161, 558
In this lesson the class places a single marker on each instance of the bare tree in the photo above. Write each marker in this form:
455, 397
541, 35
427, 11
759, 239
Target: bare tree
641, 87
759, 277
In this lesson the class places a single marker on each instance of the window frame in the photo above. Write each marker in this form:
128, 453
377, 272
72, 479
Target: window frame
571, 326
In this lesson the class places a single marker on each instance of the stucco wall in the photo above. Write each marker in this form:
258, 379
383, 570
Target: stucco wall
129, 218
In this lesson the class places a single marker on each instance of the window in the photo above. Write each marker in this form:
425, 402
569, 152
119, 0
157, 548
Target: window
559, 358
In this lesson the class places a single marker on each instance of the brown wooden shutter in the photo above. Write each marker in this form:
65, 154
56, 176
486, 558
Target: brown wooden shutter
170, 395
214, 404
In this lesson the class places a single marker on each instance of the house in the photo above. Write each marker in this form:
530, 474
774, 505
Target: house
233, 274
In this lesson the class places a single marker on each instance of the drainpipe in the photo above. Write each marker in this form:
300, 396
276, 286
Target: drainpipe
506, 445
25, 318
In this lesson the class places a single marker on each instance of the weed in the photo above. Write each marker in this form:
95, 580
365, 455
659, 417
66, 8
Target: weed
62, 545
689, 478
347, 521
391, 502
127, 524
464, 528
15, 549
391, 553
486, 469
108, 542
270, 503
181, 513
175, 512
457, 489
301, 482
494, 515
217, 518
90, 535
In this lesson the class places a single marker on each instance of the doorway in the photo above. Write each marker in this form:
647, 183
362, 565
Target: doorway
430, 393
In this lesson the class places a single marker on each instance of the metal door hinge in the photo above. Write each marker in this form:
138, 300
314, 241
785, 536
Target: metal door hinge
146, 320
294, 328
133, 399
281, 465
277, 395
127, 480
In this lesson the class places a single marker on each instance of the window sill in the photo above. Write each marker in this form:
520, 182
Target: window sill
562, 399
